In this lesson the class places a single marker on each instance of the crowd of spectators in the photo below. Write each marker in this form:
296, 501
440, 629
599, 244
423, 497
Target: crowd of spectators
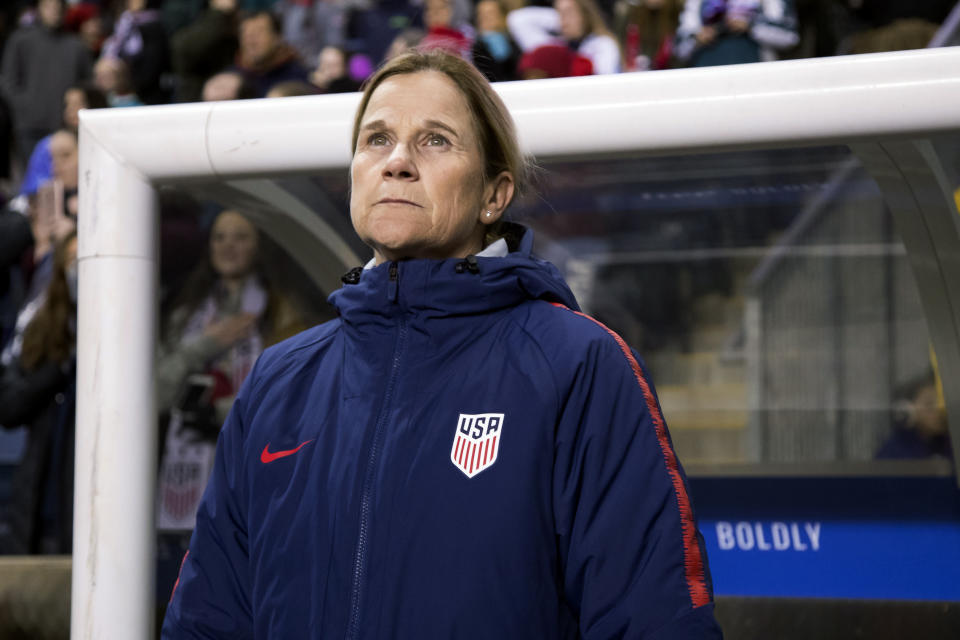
60, 56
153, 52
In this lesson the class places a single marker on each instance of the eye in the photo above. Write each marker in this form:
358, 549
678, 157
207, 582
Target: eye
377, 139
436, 140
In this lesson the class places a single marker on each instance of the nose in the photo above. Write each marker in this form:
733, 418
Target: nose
400, 165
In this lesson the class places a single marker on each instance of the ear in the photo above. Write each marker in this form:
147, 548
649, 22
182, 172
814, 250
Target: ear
496, 196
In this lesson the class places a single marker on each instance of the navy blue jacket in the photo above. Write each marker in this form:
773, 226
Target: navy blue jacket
460, 454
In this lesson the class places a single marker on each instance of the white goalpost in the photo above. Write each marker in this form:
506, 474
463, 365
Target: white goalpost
887, 107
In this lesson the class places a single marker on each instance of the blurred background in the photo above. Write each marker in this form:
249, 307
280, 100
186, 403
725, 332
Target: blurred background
769, 292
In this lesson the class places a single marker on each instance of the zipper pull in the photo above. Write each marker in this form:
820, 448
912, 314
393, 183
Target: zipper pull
394, 287
352, 276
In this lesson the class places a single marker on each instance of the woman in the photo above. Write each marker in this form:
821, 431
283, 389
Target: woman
718, 32
40, 165
39, 390
577, 24
460, 454
52, 217
226, 315
140, 40
494, 52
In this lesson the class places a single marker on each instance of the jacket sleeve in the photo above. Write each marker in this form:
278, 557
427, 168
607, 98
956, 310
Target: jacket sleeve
24, 394
211, 599
632, 559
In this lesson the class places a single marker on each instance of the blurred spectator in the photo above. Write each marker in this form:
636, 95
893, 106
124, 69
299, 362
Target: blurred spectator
7, 144
204, 48
442, 32
15, 239
409, 38
264, 58
312, 25
553, 61
39, 63
178, 14
291, 89
647, 29
920, 428
229, 85
40, 165
227, 313
494, 52
718, 32
84, 19
112, 77
38, 389
371, 27
140, 40
332, 74
577, 24
52, 216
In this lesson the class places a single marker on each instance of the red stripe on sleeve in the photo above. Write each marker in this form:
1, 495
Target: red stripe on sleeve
692, 556
179, 571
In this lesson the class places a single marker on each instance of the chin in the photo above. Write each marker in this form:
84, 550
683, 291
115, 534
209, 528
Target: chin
394, 237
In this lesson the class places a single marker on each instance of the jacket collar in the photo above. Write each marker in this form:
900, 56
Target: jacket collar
452, 287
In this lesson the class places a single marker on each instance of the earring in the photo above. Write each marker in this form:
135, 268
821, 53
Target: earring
489, 213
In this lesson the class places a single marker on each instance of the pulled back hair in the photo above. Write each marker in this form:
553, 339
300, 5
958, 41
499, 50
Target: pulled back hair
491, 119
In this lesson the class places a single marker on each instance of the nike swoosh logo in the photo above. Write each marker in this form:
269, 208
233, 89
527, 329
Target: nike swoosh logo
267, 456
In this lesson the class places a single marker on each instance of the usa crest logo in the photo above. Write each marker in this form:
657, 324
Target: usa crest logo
476, 442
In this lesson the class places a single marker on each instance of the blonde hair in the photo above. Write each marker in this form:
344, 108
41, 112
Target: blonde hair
496, 132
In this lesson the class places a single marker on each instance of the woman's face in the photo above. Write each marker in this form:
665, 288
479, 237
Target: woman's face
571, 19
417, 187
233, 245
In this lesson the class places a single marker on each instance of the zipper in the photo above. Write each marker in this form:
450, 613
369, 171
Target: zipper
393, 286
366, 496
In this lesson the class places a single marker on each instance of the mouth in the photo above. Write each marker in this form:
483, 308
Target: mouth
398, 201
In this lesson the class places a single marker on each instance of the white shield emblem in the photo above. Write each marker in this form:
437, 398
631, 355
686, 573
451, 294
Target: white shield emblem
476, 442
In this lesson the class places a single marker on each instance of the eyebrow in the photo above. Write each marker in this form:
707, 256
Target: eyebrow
435, 124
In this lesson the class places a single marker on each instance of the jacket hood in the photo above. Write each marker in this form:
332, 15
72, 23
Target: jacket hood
452, 287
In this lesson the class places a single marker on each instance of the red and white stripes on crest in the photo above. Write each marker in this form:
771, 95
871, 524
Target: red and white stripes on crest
692, 555
473, 455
